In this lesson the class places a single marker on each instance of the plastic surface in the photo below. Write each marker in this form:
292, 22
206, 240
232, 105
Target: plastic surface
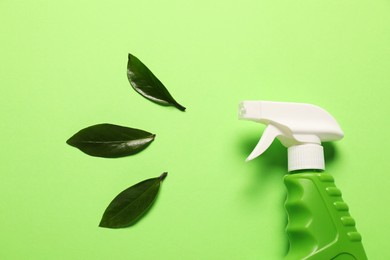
292, 123
306, 156
319, 224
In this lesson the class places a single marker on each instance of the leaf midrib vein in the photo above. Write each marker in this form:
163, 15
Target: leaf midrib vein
117, 141
120, 211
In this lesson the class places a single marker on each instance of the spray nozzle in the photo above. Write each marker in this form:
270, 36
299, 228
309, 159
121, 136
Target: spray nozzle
300, 127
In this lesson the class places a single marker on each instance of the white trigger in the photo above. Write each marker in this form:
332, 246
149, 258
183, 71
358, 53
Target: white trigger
269, 135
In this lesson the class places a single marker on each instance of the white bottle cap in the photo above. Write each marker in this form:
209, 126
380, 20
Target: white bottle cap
306, 156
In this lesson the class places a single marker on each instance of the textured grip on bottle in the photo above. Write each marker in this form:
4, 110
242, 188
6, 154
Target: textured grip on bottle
319, 225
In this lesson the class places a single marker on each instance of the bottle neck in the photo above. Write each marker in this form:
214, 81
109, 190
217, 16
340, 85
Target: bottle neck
306, 157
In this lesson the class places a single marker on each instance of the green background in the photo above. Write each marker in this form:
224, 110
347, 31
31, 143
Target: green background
63, 68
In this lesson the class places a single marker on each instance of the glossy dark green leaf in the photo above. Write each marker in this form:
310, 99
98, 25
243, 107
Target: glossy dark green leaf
111, 141
131, 204
148, 85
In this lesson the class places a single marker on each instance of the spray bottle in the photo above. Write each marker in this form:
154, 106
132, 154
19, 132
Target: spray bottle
319, 224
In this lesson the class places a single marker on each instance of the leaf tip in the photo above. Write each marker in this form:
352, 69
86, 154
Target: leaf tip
101, 225
130, 56
180, 107
70, 141
104, 223
163, 176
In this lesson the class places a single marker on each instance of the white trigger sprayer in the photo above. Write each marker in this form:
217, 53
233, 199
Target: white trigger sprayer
300, 127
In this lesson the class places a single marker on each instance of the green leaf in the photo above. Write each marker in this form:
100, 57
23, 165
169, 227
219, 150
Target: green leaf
145, 83
131, 204
111, 141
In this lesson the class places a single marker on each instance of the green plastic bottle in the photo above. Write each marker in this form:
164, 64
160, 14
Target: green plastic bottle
319, 224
